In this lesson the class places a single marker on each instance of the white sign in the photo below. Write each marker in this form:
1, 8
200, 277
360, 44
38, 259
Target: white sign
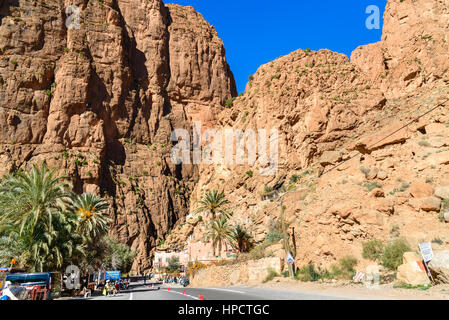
426, 251
289, 258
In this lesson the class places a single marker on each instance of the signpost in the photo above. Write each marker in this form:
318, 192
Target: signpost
112, 275
427, 254
290, 262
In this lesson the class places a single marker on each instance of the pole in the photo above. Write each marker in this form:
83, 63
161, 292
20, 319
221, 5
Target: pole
428, 271
284, 236
291, 271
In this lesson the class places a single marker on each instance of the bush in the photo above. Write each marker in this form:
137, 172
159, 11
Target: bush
173, 264
259, 251
373, 249
393, 253
271, 275
309, 273
294, 178
194, 267
249, 173
370, 186
230, 102
274, 232
344, 269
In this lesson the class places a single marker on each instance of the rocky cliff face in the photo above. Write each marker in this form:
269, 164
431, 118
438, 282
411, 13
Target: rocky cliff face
99, 102
331, 111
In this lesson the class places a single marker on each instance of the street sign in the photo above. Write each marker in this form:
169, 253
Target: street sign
426, 251
289, 258
112, 275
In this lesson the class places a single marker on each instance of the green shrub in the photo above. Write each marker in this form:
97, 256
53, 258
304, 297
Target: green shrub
370, 186
373, 249
271, 275
249, 173
294, 178
344, 269
230, 102
393, 253
274, 232
308, 273
200, 218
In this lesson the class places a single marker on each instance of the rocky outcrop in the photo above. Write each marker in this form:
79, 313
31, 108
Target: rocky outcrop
412, 271
353, 164
439, 267
243, 272
99, 102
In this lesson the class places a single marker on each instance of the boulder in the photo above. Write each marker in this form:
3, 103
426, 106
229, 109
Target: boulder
412, 271
421, 190
342, 209
439, 267
373, 173
410, 257
442, 192
330, 157
378, 140
431, 204
382, 175
377, 193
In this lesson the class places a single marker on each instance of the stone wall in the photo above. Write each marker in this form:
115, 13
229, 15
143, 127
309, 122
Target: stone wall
249, 271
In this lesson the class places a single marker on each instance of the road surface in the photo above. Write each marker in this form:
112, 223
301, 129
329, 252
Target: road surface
145, 292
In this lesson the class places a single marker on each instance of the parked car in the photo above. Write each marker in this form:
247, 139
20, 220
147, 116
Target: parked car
184, 282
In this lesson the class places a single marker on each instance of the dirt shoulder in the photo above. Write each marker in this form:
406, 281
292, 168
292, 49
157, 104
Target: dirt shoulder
356, 291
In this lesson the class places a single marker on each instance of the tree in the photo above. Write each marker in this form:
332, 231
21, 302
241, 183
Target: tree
32, 218
91, 212
45, 225
213, 203
29, 200
173, 264
219, 232
117, 255
241, 239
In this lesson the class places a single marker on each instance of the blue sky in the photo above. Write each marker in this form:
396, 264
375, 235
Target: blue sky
256, 32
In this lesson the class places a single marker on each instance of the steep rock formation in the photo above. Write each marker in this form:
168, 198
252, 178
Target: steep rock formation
99, 102
330, 111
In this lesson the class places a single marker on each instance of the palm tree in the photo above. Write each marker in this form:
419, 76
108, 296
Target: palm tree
91, 212
219, 231
31, 216
241, 239
213, 203
32, 198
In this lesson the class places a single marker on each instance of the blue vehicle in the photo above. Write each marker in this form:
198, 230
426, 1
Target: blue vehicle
46, 280
7, 271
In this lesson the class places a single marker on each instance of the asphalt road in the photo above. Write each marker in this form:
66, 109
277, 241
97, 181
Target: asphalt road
145, 292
